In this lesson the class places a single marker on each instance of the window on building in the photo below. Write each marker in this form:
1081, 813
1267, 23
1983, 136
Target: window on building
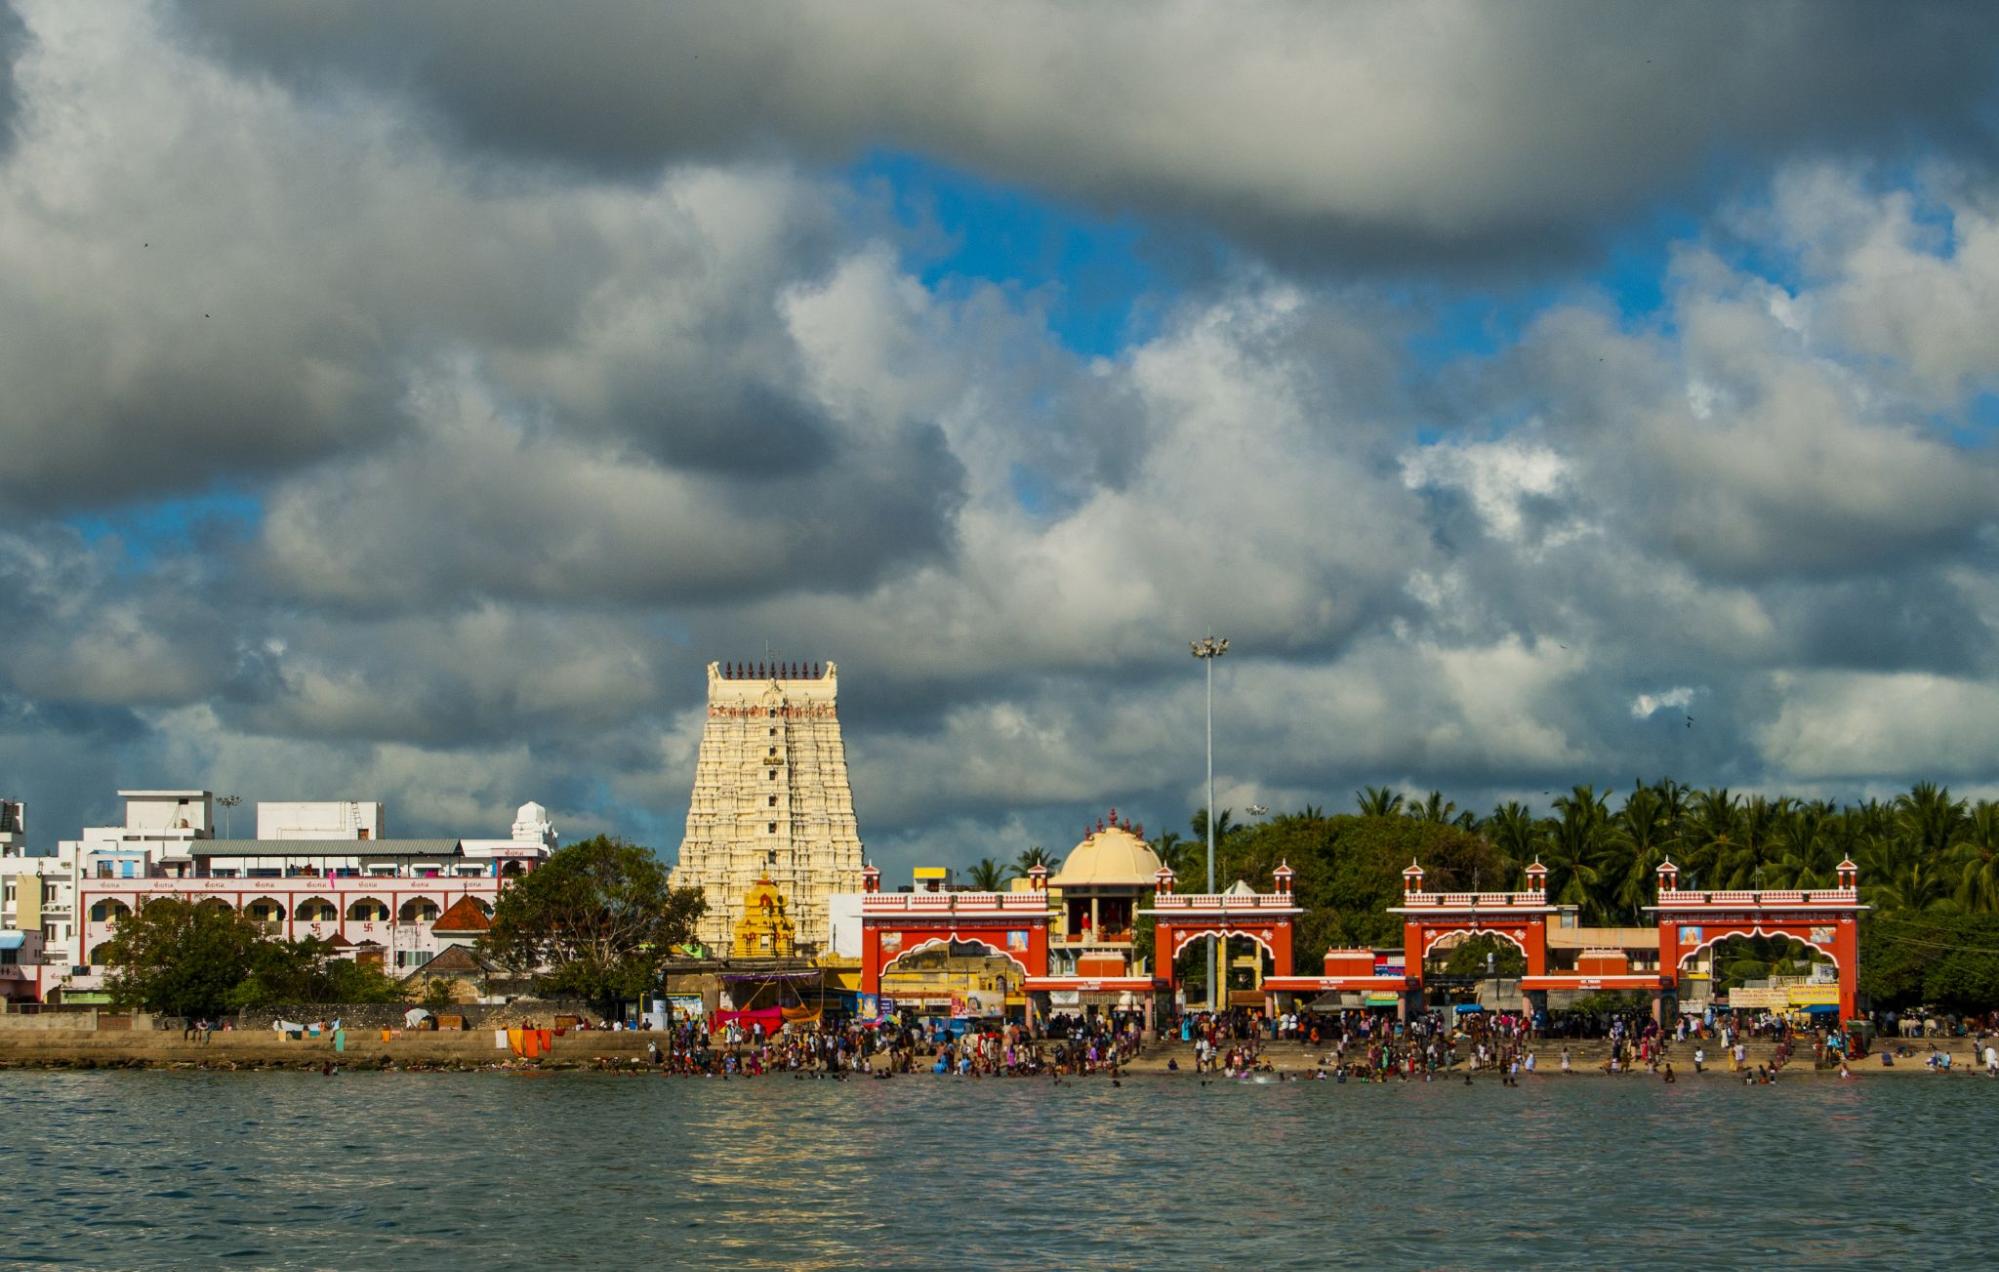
771, 828
773, 775
771, 800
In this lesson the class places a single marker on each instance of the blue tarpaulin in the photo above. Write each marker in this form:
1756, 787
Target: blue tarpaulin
1463, 1008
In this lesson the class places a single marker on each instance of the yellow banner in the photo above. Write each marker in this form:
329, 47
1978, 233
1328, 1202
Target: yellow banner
28, 902
1739, 998
1814, 995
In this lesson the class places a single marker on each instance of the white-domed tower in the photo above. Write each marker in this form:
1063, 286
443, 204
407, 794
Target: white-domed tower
531, 826
771, 799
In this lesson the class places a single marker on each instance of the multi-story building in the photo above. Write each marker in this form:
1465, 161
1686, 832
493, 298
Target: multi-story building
771, 801
36, 918
326, 871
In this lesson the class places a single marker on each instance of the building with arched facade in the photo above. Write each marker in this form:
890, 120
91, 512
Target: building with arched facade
393, 902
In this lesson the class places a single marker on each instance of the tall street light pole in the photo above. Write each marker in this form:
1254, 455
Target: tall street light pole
1207, 649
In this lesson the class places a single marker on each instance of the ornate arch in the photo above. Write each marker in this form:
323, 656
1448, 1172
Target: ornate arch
1733, 930
1433, 938
945, 941
1185, 936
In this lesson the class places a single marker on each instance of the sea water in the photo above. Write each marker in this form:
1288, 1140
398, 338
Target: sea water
447, 1171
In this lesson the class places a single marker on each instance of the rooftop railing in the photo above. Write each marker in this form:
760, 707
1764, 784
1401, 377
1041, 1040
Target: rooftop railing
1762, 896
1468, 900
948, 902
1223, 901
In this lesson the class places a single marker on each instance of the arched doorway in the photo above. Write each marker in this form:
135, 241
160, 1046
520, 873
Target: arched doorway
418, 910
367, 910
954, 979
315, 910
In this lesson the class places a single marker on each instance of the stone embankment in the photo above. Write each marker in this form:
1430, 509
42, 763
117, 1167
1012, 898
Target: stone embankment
428, 1050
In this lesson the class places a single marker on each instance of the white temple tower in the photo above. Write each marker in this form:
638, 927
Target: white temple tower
771, 799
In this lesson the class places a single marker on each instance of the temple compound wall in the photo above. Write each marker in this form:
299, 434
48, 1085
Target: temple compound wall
771, 799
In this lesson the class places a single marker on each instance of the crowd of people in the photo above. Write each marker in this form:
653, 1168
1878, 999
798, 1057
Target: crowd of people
1348, 1045
1067, 1047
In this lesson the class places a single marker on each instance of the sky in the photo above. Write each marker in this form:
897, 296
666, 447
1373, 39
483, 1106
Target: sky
406, 402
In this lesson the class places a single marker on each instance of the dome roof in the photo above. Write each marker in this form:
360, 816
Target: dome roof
531, 812
1113, 856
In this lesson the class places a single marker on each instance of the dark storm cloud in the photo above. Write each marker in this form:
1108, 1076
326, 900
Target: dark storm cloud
13, 38
1445, 130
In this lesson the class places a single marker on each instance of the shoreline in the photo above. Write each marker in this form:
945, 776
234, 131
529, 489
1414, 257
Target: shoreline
596, 1051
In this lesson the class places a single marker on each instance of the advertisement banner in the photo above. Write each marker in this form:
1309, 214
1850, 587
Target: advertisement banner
1065, 998
687, 1006
867, 1007
1814, 996
1753, 999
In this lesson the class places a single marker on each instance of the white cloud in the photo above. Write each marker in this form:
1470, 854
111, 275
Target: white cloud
1646, 705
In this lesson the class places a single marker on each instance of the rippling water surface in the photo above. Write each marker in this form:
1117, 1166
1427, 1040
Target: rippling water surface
481, 1171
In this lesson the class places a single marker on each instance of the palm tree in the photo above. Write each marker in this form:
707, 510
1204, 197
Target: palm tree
1513, 830
1642, 838
1975, 859
988, 875
1576, 849
1919, 885
1436, 810
1709, 833
1225, 825
1029, 858
1377, 801
1928, 819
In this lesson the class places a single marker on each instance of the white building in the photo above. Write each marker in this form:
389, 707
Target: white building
319, 819
326, 871
36, 920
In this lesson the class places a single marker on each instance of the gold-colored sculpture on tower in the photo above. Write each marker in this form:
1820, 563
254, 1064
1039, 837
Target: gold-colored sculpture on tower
764, 931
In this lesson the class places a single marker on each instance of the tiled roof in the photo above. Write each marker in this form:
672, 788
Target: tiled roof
465, 915
454, 960
323, 848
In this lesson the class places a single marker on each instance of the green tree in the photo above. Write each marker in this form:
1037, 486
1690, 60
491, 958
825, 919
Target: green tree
306, 973
179, 958
1029, 858
1377, 801
1468, 957
597, 920
988, 875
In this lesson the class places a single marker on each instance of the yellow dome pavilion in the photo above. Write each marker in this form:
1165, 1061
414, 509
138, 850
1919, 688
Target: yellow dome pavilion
765, 930
1113, 856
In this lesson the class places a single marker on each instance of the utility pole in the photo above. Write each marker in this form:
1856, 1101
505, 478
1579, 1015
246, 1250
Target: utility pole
1207, 649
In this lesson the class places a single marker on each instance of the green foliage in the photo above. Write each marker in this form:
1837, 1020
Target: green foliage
1940, 959
179, 958
305, 972
988, 875
1029, 858
597, 920
1467, 957
182, 959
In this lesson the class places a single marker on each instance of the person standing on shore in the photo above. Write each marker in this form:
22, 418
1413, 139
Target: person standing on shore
1700, 1059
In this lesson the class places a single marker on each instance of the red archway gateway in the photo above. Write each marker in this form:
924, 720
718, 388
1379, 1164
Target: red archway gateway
1180, 918
1827, 919
1427, 917
1014, 924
